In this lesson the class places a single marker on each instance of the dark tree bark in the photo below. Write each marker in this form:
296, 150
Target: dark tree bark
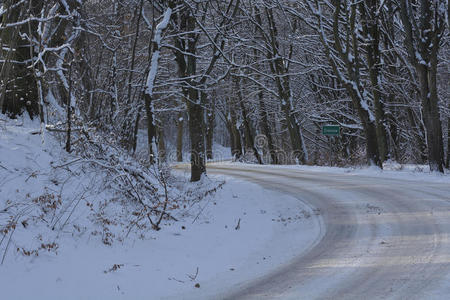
389, 57
349, 74
180, 130
196, 131
280, 69
235, 136
422, 46
195, 105
69, 111
369, 16
248, 136
162, 152
153, 133
232, 145
151, 128
19, 87
135, 131
210, 117
131, 116
265, 128
186, 58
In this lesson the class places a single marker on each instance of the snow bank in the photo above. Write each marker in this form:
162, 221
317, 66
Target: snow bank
390, 170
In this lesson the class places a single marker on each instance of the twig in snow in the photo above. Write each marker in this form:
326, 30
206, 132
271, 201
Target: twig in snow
173, 278
7, 245
200, 212
70, 214
68, 163
193, 277
33, 174
238, 226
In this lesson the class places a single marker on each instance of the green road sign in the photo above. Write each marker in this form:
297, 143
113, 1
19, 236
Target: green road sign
332, 130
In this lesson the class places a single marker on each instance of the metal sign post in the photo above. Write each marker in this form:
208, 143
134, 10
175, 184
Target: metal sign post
330, 131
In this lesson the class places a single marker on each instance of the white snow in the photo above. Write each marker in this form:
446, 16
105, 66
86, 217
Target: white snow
363, 101
390, 170
237, 234
155, 56
164, 265
221, 242
420, 59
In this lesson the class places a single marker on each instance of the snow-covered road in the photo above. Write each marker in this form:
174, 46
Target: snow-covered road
385, 237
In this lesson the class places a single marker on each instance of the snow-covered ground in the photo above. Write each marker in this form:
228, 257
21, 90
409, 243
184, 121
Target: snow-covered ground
65, 235
53, 246
390, 170
386, 236
211, 252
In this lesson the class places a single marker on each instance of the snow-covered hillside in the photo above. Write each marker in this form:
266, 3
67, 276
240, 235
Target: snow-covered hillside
66, 233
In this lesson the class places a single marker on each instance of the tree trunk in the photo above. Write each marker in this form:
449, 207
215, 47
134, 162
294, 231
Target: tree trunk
278, 67
135, 131
69, 111
230, 132
151, 129
393, 132
162, 154
180, 128
187, 67
196, 133
372, 35
349, 76
369, 126
235, 136
249, 140
210, 116
265, 128
130, 115
431, 117
19, 87
422, 48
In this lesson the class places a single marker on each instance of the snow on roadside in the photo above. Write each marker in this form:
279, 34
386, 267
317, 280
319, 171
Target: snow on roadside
211, 252
247, 232
233, 235
390, 169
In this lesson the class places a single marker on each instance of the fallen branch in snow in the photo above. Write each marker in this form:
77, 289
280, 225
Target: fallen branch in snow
193, 277
177, 280
71, 212
200, 212
10, 227
114, 268
168, 215
33, 174
238, 226
208, 192
68, 163
53, 129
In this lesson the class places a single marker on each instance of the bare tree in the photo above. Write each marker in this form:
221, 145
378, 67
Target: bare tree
424, 25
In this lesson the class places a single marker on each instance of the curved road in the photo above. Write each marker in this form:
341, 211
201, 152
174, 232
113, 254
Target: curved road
383, 238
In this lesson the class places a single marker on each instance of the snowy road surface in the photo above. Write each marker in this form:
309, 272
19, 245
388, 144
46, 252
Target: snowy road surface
385, 238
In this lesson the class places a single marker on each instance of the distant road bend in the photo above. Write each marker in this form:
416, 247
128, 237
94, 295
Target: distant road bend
383, 238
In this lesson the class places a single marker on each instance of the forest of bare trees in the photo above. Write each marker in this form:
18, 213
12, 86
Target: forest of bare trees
260, 77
